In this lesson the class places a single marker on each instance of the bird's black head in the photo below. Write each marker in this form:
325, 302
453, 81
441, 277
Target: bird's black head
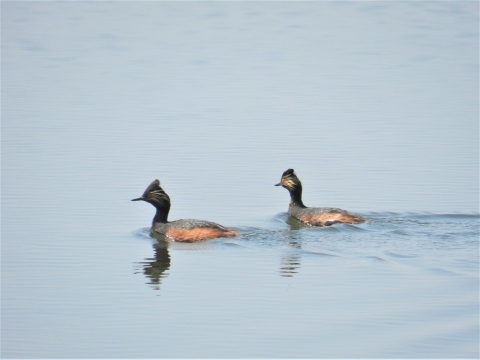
155, 195
289, 180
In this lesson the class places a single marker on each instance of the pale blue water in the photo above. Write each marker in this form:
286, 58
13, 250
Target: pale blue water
374, 104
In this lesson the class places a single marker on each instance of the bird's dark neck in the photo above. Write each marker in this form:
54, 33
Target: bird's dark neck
296, 197
161, 215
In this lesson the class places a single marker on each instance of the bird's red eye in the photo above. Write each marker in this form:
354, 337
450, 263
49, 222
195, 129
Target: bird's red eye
149, 195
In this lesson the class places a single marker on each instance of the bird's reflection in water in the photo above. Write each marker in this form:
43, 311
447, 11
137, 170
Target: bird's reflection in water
290, 262
156, 268
295, 224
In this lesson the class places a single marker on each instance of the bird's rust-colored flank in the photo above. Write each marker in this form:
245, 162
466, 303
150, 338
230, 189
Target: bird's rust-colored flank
329, 219
198, 234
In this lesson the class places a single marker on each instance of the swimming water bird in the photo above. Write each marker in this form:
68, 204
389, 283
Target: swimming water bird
313, 216
186, 230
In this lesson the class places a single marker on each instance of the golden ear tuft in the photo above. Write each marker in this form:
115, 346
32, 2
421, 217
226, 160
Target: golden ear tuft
288, 182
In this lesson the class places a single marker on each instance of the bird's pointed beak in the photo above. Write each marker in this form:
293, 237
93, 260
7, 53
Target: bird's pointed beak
138, 199
279, 184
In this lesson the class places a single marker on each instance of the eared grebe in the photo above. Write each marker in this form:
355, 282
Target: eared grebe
180, 230
313, 216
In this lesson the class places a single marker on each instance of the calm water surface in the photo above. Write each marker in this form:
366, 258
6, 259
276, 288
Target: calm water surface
374, 104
